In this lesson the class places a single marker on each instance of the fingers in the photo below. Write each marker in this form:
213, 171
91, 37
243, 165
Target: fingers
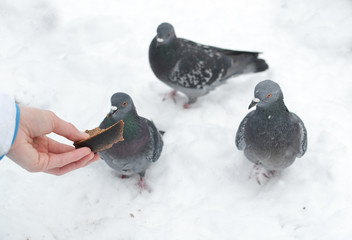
56, 147
75, 165
65, 129
36, 122
63, 159
95, 158
38, 153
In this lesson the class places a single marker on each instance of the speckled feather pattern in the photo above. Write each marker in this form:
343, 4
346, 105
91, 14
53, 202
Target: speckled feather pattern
195, 69
201, 66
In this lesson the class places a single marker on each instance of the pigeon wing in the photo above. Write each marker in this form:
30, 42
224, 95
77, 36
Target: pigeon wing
157, 141
240, 142
303, 135
198, 65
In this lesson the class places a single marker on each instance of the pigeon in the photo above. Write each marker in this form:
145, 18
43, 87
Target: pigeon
195, 69
142, 143
271, 135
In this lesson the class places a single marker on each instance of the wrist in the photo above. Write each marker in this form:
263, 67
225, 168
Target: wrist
18, 115
17, 122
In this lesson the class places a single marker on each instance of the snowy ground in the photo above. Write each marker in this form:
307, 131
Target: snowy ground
71, 56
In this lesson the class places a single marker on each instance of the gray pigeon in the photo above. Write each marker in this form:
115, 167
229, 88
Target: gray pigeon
142, 143
195, 69
270, 135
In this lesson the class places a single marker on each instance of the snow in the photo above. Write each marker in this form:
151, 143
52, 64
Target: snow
71, 56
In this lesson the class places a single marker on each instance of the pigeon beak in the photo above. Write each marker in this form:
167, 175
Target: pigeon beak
113, 109
160, 40
254, 102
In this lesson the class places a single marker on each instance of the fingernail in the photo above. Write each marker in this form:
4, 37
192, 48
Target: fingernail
91, 156
87, 158
96, 156
85, 150
85, 135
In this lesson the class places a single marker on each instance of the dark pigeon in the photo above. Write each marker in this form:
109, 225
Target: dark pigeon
142, 143
195, 69
271, 136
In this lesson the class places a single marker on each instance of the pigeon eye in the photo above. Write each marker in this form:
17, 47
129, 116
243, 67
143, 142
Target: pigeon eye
269, 95
169, 34
124, 104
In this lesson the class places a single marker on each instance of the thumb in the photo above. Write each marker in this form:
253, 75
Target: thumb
66, 129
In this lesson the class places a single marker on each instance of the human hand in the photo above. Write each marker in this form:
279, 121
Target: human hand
36, 152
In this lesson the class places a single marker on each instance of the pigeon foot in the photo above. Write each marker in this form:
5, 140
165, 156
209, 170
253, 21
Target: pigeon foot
172, 94
261, 175
186, 106
143, 186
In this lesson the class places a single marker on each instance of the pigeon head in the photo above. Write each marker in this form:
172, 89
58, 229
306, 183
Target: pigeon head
165, 33
121, 105
266, 93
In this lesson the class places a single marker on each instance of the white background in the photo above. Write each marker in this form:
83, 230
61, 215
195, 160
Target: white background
71, 56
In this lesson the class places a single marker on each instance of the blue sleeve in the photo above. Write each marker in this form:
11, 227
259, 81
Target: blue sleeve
16, 127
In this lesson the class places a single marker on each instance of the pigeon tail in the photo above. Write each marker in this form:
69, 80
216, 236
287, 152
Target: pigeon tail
260, 65
246, 62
